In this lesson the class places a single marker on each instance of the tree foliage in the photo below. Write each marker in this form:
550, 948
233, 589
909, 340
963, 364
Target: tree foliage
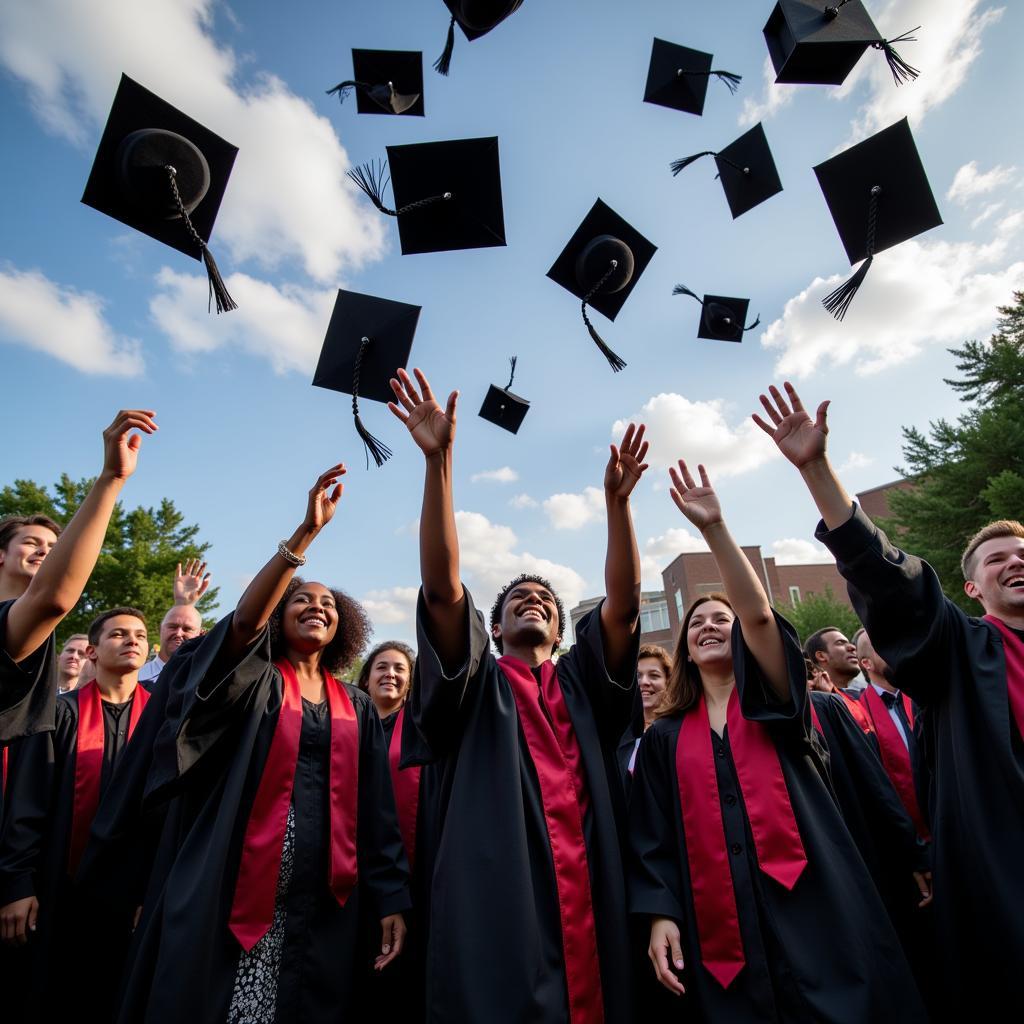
971, 471
816, 611
140, 552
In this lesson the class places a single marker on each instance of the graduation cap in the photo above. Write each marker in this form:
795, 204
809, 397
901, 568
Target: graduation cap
502, 407
600, 265
162, 173
878, 194
367, 340
447, 194
677, 77
385, 82
722, 317
476, 18
818, 42
746, 169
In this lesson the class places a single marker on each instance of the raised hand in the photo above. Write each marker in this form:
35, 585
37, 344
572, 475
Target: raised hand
698, 503
323, 500
121, 451
800, 440
626, 463
191, 584
432, 427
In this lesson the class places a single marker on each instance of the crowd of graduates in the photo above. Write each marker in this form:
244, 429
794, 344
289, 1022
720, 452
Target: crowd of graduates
741, 830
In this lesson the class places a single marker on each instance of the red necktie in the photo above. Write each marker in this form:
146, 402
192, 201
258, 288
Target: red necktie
406, 785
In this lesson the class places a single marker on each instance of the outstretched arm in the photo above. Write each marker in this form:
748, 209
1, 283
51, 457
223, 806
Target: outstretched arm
743, 588
57, 586
620, 612
433, 430
192, 583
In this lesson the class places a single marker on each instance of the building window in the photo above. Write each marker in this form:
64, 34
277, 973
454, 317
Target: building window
679, 605
794, 596
654, 616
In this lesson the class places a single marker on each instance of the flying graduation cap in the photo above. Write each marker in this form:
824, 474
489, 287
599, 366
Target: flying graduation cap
818, 42
746, 169
677, 77
476, 18
600, 266
878, 194
385, 82
722, 317
447, 194
367, 340
503, 408
162, 173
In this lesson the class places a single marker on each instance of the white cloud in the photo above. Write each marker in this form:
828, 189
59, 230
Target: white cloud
658, 552
856, 460
505, 475
573, 511
64, 323
969, 183
288, 197
523, 501
796, 551
918, 294
773, 98
987, 213
394, 606
700, 433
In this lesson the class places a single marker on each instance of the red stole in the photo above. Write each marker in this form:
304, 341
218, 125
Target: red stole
860, 716
895, 755
252, 910
815, 721
1013, 648
780, 851
89, 742
406, 785
556, 757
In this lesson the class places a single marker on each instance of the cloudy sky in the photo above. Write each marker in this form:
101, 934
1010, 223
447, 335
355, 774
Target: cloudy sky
94, 317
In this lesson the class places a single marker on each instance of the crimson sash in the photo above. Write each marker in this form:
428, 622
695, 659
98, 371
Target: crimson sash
815, 721
556, 756
252, 910
779, 848
1013, 648
406, 785
89, 742
860, 716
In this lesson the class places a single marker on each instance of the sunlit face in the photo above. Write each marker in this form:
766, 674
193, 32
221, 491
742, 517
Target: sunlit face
650, 674
388, 681
529, 617
26, 550
72, 658
310, 618
122, 647
840, 656
998, 576
181, 623
708, 635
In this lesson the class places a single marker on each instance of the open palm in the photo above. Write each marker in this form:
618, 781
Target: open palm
324, 497
798, 437
698, 502
626, 463
432, 428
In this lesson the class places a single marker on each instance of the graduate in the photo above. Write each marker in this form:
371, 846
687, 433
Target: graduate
281, 820
527, 905
741, 861
968, 675
653, 668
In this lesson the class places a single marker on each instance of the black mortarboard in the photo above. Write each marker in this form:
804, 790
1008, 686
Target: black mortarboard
602, 262
162, 173
476, 18
385, 82
817, 42
367, 340
678, 77
879, 196
746, 169
447, 194
502, 407
723, 318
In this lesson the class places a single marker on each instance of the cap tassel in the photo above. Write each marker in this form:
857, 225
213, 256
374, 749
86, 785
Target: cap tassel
342, 89
681, 289
512, 374
731, 79
614, 361
901, 70
756, 323
833, 11
837, 302
218, 290
442, 64
373, 179
678, 165
380, 451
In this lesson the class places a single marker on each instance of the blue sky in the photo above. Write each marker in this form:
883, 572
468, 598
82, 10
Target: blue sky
94, 318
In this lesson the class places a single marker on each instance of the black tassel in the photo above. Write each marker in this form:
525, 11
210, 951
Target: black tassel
342, 89
614, 361
731, 80
372, 179
678, 165
756, 323
218, 289
442, 64
380, 451
512, 374
901, 70
681, 289
838, 302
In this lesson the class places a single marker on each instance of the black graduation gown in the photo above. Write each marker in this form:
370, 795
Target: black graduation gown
495, 948
953, 665
208, 761
28, 689
824, 951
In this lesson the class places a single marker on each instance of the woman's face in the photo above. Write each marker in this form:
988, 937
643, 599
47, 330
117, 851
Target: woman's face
651, 676
708, 634
310, 619
388, 682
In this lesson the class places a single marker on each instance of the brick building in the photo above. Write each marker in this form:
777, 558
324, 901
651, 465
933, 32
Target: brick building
655, 627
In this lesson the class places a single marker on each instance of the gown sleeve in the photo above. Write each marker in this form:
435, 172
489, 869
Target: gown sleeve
28, 689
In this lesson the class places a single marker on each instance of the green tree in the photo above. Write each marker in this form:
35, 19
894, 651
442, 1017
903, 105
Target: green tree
815, 611
969, 472
140, 552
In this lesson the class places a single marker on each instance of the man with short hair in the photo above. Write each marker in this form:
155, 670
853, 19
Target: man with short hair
834, 658
182, 621
72, 659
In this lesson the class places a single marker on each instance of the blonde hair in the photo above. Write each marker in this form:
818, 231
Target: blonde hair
1000, 528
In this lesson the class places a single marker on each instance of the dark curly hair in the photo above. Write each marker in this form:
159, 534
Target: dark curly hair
499, 604
363, 682
349, 641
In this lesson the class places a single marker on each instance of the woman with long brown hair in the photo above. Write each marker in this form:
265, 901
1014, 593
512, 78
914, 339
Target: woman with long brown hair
759, 905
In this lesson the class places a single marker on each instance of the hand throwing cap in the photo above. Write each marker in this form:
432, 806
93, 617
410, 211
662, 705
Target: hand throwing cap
502, 407
746, 169
602, 262
447, 194
162, 173
878, 194
678, 77
722, 317
476, 18
367, 340
385, 82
